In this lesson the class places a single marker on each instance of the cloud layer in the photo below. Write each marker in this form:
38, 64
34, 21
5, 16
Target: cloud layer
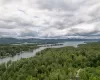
50, 18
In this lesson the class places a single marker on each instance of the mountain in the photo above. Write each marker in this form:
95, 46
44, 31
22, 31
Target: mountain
41, 41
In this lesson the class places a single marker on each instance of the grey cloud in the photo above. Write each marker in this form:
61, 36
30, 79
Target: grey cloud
29, 34
59, 4
49, 18
7, 33
83, 33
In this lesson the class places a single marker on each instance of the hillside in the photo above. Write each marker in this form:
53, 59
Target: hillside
40, 41
57, 64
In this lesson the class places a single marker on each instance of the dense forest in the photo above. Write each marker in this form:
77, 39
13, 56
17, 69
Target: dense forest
11, 50
57, 64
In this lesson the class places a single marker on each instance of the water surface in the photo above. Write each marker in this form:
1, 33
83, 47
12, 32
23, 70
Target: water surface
31, 54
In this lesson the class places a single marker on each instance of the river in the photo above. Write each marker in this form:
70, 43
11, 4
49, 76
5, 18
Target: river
31, 54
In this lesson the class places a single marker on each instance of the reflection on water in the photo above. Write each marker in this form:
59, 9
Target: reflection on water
31, 54
23, 55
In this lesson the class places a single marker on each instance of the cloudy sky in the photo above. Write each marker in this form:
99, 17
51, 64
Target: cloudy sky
50, 18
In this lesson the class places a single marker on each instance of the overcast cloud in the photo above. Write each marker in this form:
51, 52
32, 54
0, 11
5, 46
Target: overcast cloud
50, 18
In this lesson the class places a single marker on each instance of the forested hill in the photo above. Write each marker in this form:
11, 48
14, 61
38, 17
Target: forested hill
37, 40
57, 64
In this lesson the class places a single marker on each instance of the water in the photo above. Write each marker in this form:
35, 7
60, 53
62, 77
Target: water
31, 54
73, 43
22, 55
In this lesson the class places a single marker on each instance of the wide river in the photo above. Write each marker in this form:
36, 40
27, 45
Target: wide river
31, 54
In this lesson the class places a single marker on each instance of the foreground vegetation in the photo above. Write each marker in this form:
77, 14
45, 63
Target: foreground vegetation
11, 50
56, 64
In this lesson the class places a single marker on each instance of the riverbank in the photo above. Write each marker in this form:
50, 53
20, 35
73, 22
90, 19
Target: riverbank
56, 64
9, 50
35, 50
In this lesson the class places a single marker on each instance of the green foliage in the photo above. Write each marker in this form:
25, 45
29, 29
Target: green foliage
11, 50
56, 64
90, 73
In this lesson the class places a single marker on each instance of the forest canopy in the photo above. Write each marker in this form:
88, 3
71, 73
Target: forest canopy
56, 64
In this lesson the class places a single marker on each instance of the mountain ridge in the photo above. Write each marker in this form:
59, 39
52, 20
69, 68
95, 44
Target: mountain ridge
39, 40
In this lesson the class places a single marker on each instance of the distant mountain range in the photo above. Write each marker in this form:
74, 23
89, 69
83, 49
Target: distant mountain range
41, 41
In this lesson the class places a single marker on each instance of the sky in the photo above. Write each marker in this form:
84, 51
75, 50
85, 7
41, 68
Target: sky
50, 18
